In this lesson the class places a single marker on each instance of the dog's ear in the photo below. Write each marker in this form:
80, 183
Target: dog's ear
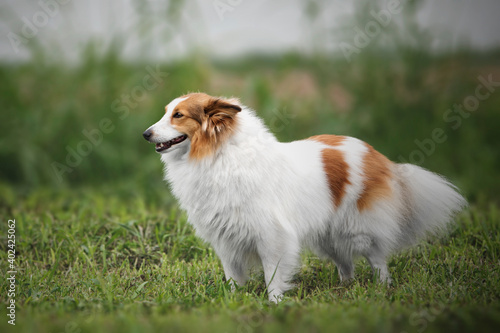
220, 115
220, 107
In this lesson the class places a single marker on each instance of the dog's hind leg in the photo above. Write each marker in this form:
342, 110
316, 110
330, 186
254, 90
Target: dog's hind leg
344, 263
377, 260
340, 253
345, 267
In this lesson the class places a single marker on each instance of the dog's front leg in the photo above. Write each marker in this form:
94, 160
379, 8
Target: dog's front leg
280, 262
235, 270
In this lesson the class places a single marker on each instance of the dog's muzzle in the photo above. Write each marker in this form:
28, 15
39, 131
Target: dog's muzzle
147, 134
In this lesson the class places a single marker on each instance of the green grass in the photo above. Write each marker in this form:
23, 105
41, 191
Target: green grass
89, 261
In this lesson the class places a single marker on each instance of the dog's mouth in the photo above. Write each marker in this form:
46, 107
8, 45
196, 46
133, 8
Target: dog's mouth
162, 146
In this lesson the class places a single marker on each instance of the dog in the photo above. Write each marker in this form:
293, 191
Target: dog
260, 201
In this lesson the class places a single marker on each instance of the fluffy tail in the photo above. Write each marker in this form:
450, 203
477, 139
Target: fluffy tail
431, 202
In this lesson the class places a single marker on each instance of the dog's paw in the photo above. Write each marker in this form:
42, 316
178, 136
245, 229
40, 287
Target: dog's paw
275, 297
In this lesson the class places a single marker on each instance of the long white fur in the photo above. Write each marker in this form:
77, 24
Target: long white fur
257, 200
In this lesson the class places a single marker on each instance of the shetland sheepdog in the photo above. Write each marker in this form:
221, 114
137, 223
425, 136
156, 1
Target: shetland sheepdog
260, 201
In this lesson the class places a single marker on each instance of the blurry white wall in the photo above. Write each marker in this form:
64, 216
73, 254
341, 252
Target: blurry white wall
154, 30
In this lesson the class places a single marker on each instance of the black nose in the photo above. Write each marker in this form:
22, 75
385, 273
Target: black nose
147, 134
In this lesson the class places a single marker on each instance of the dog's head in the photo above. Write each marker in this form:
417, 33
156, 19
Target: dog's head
196, 122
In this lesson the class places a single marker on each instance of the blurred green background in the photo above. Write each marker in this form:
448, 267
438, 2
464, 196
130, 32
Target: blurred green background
393, 93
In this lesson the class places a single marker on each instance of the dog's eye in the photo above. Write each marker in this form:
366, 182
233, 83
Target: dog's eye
177, 115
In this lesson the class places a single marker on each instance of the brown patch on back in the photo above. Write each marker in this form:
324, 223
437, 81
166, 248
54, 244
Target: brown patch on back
208, 121
377, 176
330, 140
335, 166
336, 170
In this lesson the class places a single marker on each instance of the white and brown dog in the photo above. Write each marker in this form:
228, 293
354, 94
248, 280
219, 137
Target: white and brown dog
257, 200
